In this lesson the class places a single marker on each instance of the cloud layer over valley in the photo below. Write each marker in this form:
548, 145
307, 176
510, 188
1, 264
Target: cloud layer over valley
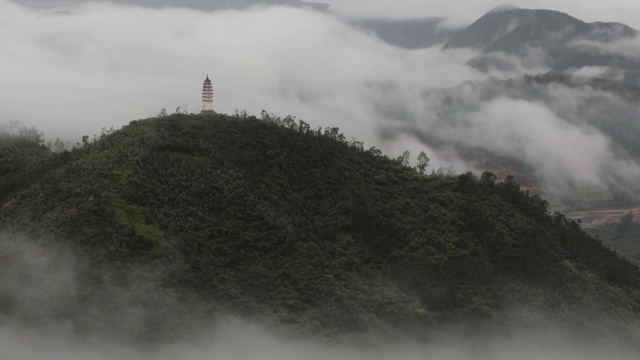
102, 65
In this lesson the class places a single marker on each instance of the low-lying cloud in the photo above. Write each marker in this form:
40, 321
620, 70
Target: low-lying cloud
628, 47
48, 276
237, 340
562, 132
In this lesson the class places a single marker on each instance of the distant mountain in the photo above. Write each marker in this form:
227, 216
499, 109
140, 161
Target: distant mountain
180, 219
512, 29
410, 33
208, 5
565, 41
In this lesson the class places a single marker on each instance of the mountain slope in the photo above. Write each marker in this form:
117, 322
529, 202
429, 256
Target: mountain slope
564, 41
511, 29
179, 219
489, 28
409, 34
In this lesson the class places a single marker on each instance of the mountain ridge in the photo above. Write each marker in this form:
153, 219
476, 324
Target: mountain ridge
488, 32
557, 41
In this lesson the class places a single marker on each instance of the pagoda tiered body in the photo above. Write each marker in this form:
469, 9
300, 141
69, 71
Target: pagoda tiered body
207, 97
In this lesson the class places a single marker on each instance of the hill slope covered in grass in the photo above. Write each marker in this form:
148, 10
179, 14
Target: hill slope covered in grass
174, 221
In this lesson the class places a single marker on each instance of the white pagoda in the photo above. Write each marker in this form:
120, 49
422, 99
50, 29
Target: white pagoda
207, 98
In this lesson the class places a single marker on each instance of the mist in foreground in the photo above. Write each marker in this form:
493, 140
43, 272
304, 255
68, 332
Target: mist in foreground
242, 341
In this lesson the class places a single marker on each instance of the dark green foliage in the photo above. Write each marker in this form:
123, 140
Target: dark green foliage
20, 148
278, 222
23, 137
423, 162
626, 243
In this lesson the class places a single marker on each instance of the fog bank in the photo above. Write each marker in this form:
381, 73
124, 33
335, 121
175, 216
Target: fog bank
236, 339
103, 65
41, 282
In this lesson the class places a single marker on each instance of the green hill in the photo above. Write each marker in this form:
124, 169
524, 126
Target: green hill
172, 222
20, 148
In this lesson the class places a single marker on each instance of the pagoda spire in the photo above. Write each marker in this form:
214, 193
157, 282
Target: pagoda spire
207, 97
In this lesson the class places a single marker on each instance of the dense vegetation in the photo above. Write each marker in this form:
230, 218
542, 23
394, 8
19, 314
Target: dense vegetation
20, 147
624, 238
182, 218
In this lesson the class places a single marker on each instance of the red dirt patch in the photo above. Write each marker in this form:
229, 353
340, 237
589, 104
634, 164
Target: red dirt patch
604, 216
480, 161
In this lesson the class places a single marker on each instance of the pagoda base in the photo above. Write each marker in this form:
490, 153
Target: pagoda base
208, 112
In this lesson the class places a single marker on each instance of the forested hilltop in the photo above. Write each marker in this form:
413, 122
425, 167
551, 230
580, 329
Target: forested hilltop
174, 221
